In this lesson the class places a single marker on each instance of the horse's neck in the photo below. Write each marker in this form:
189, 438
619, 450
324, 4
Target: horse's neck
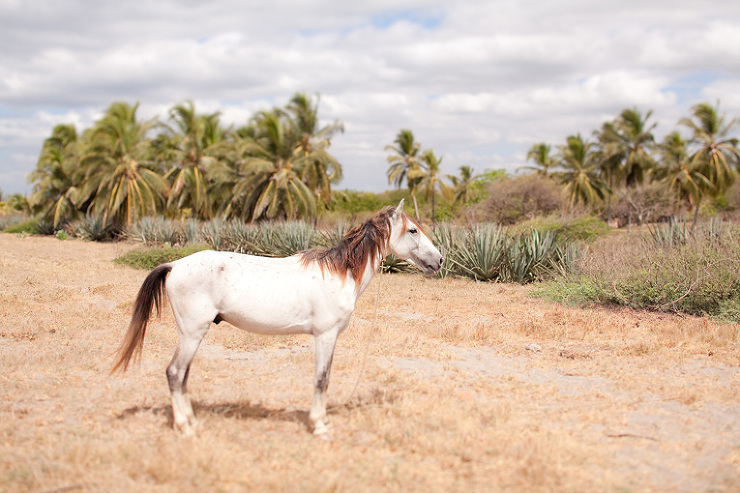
372, 266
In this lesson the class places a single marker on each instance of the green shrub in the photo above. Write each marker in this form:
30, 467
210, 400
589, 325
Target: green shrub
350, 203
488, 252
528, 256
29, 226
447, 238
693, 273
580, 228
149, 258
393, 264
190, 232
8, 220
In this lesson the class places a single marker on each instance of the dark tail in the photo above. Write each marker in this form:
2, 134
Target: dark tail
150, 293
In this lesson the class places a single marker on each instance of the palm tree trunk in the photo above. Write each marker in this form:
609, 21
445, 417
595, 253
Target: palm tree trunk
416, 207
434, 216
696, 217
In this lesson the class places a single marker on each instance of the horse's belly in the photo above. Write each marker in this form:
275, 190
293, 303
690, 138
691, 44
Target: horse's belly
267, 321
288, 309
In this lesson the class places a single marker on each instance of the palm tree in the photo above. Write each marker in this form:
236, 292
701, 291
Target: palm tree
405, 164
190, 148
318, 169
627, 144
121, 182
304, 114
682, 175
464, 186
716, 153
581, 176
540, 155
269, 186
432, 180
55, 192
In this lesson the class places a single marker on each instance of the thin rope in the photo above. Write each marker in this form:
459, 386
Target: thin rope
369, 339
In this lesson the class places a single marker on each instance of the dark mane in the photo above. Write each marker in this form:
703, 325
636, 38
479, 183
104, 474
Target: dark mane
360, 244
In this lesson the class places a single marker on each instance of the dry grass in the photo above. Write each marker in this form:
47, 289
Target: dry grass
433, 389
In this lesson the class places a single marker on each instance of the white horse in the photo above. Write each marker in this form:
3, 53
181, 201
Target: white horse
312, 292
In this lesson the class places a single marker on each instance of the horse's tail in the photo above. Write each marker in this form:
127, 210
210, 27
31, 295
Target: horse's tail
150, 293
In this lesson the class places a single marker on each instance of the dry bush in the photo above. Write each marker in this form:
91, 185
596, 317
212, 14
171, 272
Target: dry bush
642, 204
513, 199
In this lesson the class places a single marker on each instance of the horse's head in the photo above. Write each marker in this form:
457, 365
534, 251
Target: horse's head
410, 243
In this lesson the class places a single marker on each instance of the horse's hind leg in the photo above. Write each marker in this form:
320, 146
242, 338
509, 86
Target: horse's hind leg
177, 377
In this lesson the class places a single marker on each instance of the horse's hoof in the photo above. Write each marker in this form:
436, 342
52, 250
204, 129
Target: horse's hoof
185, 430
325, 436
321, 431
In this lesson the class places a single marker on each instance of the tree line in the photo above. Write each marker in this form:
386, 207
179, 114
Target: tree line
620, 156
276, 166
624, 154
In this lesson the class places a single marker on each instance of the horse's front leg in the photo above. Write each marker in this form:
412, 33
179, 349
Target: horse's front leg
325, 344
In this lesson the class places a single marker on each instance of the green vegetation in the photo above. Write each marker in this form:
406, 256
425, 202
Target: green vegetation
150, 257
585, 228
624, 156
668, 268
488, 252
29, 226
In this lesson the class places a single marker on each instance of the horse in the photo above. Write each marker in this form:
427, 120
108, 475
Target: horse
312, 292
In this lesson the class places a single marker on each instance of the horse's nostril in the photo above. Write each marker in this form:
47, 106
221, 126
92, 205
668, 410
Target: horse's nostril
441, 260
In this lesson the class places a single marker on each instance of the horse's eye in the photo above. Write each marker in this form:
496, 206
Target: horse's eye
413, 231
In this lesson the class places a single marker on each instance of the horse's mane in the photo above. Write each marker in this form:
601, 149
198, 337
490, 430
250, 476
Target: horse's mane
359, 245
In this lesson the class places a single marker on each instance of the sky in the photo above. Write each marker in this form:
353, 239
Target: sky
478, 81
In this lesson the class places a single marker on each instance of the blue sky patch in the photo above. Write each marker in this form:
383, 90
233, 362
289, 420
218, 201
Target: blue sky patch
688, 88
427, 20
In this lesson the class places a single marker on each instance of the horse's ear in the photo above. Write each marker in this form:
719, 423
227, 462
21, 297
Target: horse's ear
400, 206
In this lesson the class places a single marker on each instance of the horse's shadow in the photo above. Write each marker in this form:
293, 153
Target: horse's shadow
241, 410
245, 410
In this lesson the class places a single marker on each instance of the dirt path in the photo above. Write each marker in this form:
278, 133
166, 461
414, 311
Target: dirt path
438, 385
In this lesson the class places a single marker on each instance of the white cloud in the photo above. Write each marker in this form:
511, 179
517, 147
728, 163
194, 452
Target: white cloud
478, 81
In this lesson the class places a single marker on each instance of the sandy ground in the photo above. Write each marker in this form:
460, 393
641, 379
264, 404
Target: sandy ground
438, 385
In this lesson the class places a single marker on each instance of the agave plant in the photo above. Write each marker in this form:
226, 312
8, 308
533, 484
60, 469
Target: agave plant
392, 264
673, 233
93, 227
240, 237
563, 260
212, 233
189, 232
155, 231
449, 240
281, 239
483, 253
528, 256
330, 237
